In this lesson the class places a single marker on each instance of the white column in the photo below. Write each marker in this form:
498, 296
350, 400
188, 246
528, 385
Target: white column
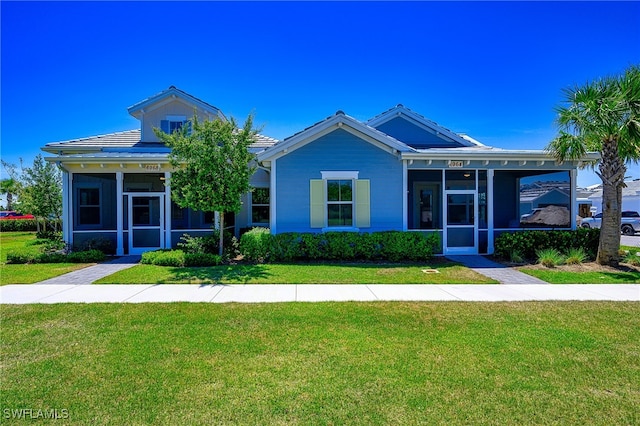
167, 209
119, 215
405, 195
67, 197
272, 198
490, 238
574, 200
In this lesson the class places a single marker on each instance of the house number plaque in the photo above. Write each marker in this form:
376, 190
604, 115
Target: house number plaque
152, 167
455, 164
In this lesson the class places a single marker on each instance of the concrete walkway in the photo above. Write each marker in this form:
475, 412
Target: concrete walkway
73, 288
93, 273
496, 271
267, 293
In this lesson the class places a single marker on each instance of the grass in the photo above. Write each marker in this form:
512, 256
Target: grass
324, 363
317, 273
28, 274
606, 276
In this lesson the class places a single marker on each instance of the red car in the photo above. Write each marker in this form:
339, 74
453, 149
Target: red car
15, 215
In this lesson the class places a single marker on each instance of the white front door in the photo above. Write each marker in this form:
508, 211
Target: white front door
461, 222
146, 222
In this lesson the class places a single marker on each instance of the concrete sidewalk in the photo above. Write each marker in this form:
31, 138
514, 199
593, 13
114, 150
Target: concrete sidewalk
496, 271
267, 293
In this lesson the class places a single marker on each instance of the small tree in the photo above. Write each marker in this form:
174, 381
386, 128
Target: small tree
9, 187
41, 193
603, 116
212, 165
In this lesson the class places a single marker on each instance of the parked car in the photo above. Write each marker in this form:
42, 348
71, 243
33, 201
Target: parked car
6, 215
629, 225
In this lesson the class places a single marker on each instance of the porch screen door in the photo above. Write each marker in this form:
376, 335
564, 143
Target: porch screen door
461, 222
146, 223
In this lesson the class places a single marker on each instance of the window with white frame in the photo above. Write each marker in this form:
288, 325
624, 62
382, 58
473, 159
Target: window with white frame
260, 206
340, 202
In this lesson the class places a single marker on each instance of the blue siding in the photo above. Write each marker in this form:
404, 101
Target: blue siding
414, 136
338, 150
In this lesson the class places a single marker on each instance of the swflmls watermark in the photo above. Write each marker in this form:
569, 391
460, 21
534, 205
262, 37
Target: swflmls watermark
35, 413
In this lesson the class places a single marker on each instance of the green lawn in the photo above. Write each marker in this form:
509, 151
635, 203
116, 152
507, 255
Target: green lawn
317, 273
324, 363
28, 274
566, 277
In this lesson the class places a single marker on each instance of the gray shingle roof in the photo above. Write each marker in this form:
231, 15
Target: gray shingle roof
128, 140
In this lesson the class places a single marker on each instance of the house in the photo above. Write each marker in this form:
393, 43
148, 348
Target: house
630, 197
396, 171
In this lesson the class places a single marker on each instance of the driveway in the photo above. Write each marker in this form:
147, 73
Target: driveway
630, 240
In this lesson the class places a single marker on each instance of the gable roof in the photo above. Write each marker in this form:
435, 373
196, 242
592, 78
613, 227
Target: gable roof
400, 111
169, 95
337, 121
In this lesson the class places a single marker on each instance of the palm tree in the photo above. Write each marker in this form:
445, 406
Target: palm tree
603, 116
10, 187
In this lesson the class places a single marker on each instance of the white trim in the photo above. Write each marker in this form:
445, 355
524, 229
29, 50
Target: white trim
405, 195
573, 210
272, 198
167, 210
343, 175
490, 201
352, 203
119, 214
67, 206
160, 228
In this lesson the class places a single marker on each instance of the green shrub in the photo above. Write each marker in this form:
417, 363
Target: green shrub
87, 256
52, 257
549, 257
255, 244
575, 256
164, 258
631, 258
391, 246
179, 258
209, 243
16, 257
19, 225
102, 244
529, 242
202, 259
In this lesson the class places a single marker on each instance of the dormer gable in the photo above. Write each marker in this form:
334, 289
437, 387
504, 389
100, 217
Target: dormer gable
168, 110
417, 131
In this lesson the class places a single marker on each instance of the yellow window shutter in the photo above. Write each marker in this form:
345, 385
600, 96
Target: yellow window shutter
363, 204
317, 203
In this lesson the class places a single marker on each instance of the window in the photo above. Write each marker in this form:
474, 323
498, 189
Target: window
174, 123
260, 206
339, 200
88, 206
339, 203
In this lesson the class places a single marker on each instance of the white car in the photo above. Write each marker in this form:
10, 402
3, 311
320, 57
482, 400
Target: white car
629, 226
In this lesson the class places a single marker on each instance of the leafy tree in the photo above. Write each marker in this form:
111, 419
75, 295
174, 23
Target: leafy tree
41, 193
10, 187
211, 162
603, 116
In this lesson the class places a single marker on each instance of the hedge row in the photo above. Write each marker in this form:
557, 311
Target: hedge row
260, 245
26, 225
88, 256
179, 258
527, 243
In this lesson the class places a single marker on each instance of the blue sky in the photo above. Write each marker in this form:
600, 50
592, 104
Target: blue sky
493, 70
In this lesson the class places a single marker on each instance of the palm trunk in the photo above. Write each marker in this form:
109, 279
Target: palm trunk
612, 171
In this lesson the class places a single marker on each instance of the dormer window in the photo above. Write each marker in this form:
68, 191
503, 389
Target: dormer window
173, 123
